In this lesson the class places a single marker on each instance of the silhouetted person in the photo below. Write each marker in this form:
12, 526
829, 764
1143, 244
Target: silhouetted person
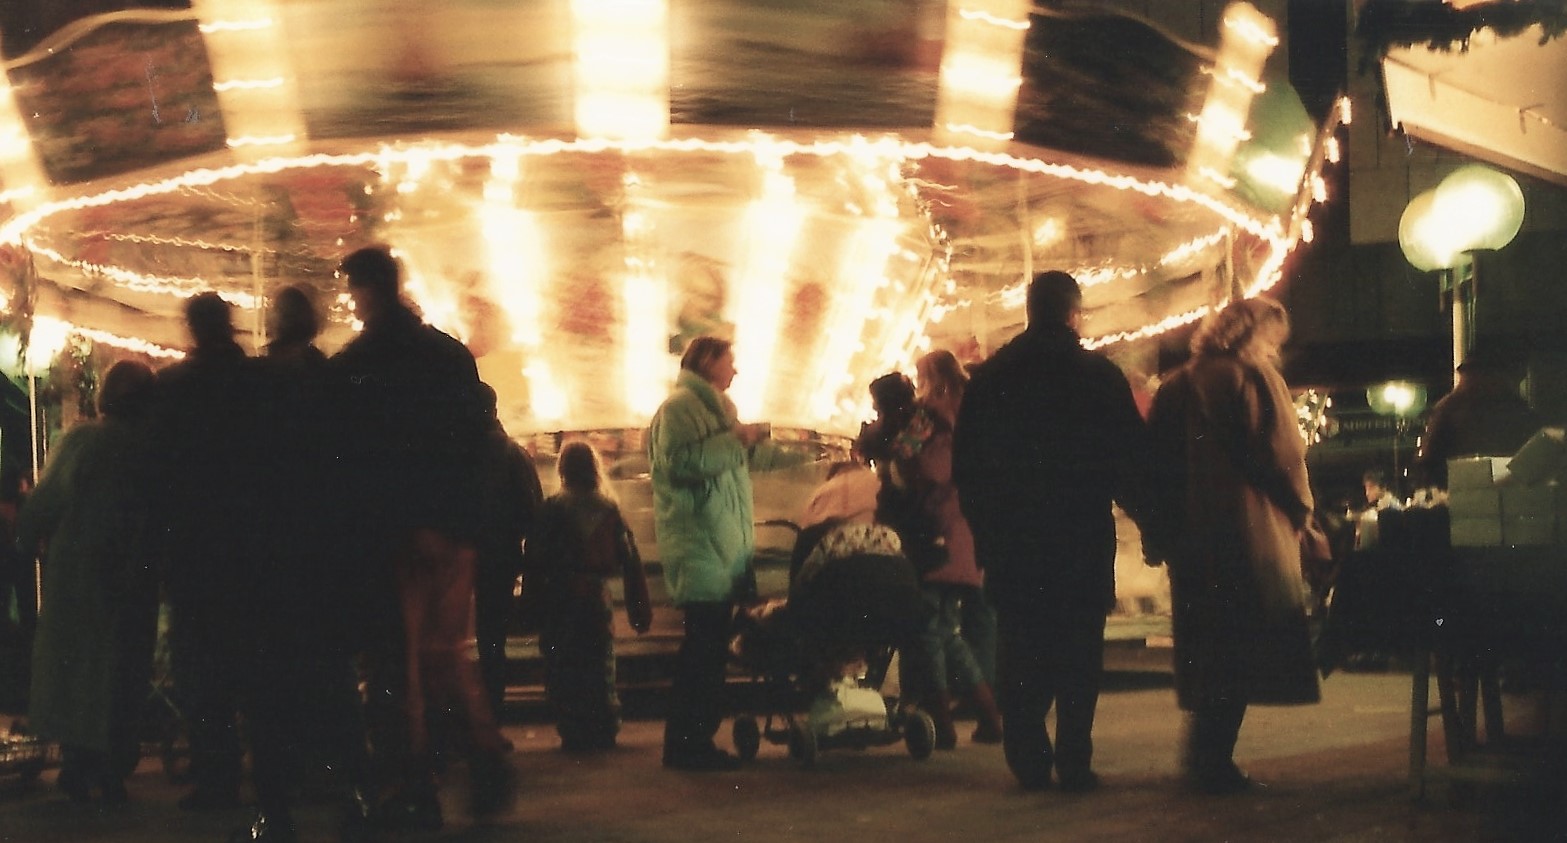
417, 426
204, 437
511, 495
580, 544
1483, 415
90, 516
1048, 436
942, 382
301, 696
917, 499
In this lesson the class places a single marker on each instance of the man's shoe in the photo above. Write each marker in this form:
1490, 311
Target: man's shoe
706, 760
1086, 781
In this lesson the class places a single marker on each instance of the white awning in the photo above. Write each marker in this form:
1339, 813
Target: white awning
1503, 100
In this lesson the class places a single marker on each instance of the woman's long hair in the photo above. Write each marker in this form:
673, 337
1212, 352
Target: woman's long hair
942, 382
581, 471
1232, 330
940, 374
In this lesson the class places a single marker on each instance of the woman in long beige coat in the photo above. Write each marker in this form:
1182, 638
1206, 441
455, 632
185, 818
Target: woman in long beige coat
1232, 497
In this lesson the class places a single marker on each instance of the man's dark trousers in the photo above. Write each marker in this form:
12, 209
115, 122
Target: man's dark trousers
1048, 655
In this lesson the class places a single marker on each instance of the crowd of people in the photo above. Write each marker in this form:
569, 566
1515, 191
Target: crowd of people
330, 536
310, 515
999, 490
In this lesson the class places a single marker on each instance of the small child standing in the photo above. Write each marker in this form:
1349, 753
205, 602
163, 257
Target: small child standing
580, 541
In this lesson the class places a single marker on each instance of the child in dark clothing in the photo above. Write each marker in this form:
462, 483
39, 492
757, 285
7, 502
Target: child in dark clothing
580, 541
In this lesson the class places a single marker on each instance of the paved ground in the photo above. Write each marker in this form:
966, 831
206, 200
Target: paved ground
1337, 771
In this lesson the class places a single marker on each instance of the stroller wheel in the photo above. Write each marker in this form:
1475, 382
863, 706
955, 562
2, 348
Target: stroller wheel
747, 737
919, 734
802, 744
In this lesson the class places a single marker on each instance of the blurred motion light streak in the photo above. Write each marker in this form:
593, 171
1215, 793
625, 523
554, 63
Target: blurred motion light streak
247, 50
518, 262
621, 62
1245, 40
644, 303
981, 71
772, 227
22, 181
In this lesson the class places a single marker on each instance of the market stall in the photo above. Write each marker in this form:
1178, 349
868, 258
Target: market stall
1482, 599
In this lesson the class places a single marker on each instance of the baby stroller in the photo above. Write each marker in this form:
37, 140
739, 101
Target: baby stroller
820, 657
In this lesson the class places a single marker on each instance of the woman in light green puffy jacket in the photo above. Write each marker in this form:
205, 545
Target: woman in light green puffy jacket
700, 457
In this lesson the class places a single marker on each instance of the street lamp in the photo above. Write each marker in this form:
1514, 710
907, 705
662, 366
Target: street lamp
1403, 401
1473, 208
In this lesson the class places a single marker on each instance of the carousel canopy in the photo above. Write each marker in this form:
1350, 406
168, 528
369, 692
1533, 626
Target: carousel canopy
830, 183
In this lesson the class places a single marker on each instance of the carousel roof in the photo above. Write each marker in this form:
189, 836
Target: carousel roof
799, 190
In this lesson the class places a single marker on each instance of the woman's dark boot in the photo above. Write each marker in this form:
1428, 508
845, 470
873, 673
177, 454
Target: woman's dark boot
989, 728
1208, 757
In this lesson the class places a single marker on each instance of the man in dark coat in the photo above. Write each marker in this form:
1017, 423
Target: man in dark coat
417, 420
1047, 437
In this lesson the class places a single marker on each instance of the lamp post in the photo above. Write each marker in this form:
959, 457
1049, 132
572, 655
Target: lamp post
1403, 401
1473, 209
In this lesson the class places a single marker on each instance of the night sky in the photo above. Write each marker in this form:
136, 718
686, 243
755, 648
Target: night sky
23, 23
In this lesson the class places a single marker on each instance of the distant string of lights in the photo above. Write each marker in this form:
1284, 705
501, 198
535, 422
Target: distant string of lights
1012, 296
138, 282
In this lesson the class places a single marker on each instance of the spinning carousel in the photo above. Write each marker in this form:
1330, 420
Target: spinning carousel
578, 188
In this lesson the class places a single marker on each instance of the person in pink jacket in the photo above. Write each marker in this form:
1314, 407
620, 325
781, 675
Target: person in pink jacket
912, 446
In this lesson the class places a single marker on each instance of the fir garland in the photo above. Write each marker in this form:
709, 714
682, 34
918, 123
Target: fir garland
1386, 24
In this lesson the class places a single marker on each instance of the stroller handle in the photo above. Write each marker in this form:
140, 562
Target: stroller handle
779, 522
